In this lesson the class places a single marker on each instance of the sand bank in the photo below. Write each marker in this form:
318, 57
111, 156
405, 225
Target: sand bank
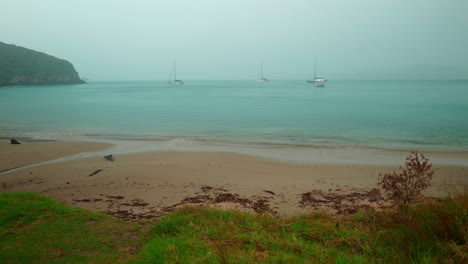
332, 153
12, 156
157, 181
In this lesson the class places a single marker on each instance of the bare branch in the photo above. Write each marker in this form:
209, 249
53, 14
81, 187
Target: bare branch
406, 186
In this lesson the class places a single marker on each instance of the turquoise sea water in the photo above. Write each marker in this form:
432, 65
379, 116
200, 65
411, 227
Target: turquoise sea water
383, 113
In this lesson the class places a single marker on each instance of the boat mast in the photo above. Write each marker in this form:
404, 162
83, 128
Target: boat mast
175, 71
315, 64
261, 70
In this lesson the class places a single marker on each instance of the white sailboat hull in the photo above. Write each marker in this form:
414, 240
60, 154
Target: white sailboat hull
176, 82
320, 82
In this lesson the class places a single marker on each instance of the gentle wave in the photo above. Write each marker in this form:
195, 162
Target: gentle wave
379, 114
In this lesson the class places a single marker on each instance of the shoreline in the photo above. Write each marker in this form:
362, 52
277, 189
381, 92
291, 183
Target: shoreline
326, 153
392, 145
173, 176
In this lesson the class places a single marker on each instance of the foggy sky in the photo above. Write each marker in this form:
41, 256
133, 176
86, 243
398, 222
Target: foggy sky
215, 39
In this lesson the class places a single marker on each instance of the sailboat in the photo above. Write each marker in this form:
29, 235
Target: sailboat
262, 79
173, 77
318, 80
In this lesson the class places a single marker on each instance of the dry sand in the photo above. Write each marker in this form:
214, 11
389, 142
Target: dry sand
152, 183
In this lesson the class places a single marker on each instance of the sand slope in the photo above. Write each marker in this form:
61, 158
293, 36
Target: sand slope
166, 178
12, 156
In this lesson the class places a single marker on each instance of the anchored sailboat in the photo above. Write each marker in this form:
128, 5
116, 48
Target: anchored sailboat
318, 80
262, 79
173, 77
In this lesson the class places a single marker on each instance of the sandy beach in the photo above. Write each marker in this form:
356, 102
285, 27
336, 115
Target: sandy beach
151, 183
14, 156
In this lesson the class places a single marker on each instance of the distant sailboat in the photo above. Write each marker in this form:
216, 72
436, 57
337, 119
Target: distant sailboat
318, 80
262, 79
173, 77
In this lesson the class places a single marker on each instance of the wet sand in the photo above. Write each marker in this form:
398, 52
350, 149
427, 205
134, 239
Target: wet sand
13, 156
155, 182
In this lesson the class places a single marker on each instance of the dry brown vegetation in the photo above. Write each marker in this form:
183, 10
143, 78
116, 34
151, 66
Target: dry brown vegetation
406, 186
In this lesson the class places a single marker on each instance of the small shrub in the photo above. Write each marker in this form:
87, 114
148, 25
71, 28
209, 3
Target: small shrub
406, 186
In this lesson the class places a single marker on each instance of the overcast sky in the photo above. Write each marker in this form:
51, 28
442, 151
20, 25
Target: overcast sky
215, 39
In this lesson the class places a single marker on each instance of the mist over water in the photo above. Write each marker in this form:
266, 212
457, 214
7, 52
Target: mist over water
211, 39
383, 113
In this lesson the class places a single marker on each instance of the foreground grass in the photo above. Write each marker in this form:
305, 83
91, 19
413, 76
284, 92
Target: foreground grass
35, 229
431, 233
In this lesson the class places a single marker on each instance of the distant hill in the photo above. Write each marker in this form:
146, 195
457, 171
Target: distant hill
21, 66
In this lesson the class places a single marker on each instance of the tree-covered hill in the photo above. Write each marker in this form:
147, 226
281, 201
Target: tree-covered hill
21, 66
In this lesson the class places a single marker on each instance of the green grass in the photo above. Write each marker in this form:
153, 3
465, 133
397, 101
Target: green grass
34, 229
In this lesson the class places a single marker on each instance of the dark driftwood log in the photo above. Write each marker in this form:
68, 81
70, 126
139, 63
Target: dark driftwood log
109, 157
95, 172
14, 141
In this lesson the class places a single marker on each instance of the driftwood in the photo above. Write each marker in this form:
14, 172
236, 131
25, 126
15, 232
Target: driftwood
140, 209
14, 141
109, 157
344, 202
95, 172
118, 197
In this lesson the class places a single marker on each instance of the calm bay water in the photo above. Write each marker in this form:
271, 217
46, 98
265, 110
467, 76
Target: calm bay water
383, 113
